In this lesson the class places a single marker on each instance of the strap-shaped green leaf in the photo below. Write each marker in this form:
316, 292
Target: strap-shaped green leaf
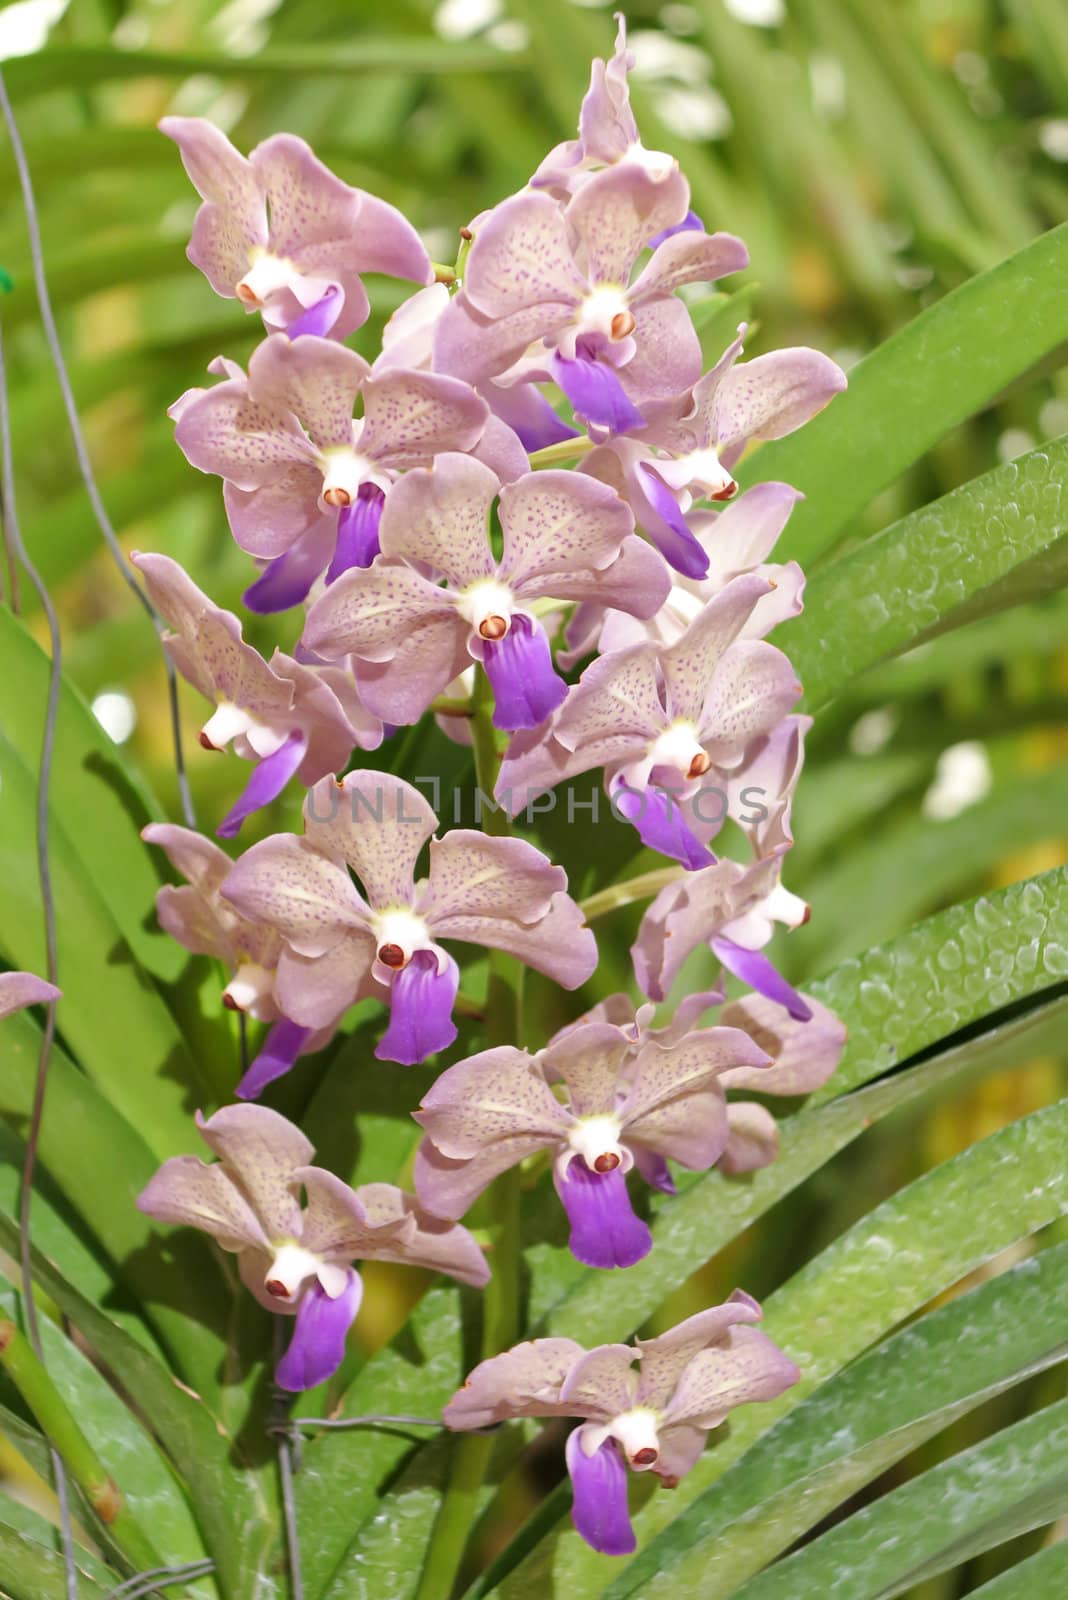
865, 1419
33, 1571
1043, 1576
948, 363
996, 542
1016, 1481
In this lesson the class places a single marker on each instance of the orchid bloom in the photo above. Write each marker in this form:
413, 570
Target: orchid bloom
283, 235
304, 482
196, 914
734, 908
21, 989
736, 540
297, 1260
627, 1105
608, 135
538, 273
687, 447
291, 719
564, 537
653, 1419
659, 720
500, 893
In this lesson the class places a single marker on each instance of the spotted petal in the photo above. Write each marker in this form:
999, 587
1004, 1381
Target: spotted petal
664, 1359
314, 379
378, 824
262, 1153
521, 257
522, 1382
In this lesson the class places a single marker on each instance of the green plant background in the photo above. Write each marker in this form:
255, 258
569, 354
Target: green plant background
899, 169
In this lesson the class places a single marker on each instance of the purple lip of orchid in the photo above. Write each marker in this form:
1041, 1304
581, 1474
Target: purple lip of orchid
297, 1260
339, 943
565, 537
609, 343
302, 478
730, 907
21, 989
665, 722
689, 445
653, 1419
608, 133
281, 233
291, 719
630, 1102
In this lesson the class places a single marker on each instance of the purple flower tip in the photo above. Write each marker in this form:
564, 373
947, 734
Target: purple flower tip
317, 1347
320, 317
661, 825
599, 1489
269, 778
754, 968
283, 1045
604, 1230
282, 584
526, 686
357, 531
596, 393
691, 223
668, 528
420, 1010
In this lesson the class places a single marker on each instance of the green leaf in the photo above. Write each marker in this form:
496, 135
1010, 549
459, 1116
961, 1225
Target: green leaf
32, 1571
236, 1519
948, 363
1016, 1481
864, 1420
994, 543
1043, 1576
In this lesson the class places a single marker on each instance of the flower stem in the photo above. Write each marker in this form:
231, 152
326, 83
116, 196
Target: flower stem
500, 1301
625, 894
551, 455
30, 1378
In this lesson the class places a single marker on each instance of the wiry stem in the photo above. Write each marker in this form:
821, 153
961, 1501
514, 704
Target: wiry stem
286, 1453
500, 1301
644, 887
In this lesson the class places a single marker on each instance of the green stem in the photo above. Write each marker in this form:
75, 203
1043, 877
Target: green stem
551, 455
625, 894
443, 273
500, 1300
444, 707
31, 1380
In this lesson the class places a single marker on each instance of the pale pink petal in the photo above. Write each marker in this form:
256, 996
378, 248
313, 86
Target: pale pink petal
495, 1095
501, 449
20, 989
616, 701
689, 258
689, 664
428, 657
602, 1383
522, 1382
288, 883
473, 874
226, 432
333, 729
521, 257
187, 1191
440, 515
667, 357
449, 1187
560, 945
752, 1138
743, 535
477, 348
557, 523
683, 916
676, 1105
637, 582
261, 1150
752, 688
751, 1368
804, 1054
772, 395
424, 1241
234, 220
588, 1057
665, 1358
410, 416
371, 611
314, 991
378, 824
681, 1445
315, 379
308, 204
269, 520
615, 214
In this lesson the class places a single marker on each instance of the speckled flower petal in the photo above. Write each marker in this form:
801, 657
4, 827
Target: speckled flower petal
316, 990
261, 1152
602, 1383
225, 431
772, 395
559, 944
21, 989
752, 1138
616, 212
667, 358
665, 1358
676, 1105
309, 897
521, 257
449, 1187
187, 1191
315, 379
440, 515
751, 1368
498, 1094
522, 1382
423, 1240
378, 824
689, 257
412, 416
752, 688
804, 1054
473, 874
558, 523
371, 613
744, 533
689, 664
588, 1057
233, 219
685, 915
615, 705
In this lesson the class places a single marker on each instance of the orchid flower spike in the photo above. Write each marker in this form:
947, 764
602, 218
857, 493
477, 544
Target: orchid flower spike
734, 908
538, 273
291, 719
653, 1419
608, 135
688, 446
21, 989
564, 537
665, 723
305, 483
340, 943
196, 914
628, 1104
736, 540
297, 1260
283, 235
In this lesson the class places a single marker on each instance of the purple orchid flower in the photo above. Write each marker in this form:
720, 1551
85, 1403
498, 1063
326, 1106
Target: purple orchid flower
734, 908
283, 235
305, 483
736, 540
411, 636
501, 893
609, 344
291, 719
21, 989
608, 133
655, 1419
296, 1260
628, 1104
688, 445
196, 914
661, 721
